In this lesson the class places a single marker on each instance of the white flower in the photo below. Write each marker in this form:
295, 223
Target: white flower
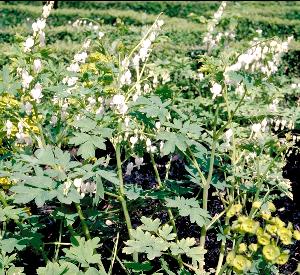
228, 134
216, 90
129, 169
28, 44
143, 53
118, 100
146, 88
41, 24
161, 146
126, 78
148, 142
100, 35
37, 65
9, 126
54, 120
26, 79
87, 44
28, 108
36, 92
160, 22
256, 128
80, 57
294, 86
125, 63
100, 111
127, 120
77, 182
157, 124
201, 76
42, 38
152, 36
74, 67
146, 43
72, 81
136, 60
20, 126
138, 162
35, 27
47, 9
133, 140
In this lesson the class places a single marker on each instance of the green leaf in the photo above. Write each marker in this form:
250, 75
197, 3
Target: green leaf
99, 190
85, 124
183, 246
109, 176
83, 252
191, 208
149, 224
144, 242
58, 268
145, 266
165, 232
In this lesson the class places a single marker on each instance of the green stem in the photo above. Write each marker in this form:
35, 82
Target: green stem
222, 251
205, 192
59, 240
122, 196
85, 228
43, 141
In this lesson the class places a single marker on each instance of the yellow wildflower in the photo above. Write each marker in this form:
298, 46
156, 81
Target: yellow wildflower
282, 258
272, 229
296, 235
250, 226
271, 206
263, 238
230, 257
242, 248
266, 215
253, 247
241, 263
285, 235
271, 252
256, 204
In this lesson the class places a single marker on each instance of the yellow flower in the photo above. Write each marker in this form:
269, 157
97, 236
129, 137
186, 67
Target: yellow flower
256, 204
263, 238
277, 221
242, 248
271, 252
272, 229
5, 183
271, 206
233, 210
242, 219
282, 258
296, 235
266, 215
230, 257
253, 247
250, 226
241, 263
285, 235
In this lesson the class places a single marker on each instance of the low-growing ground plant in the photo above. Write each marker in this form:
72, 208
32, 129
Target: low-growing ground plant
73, 135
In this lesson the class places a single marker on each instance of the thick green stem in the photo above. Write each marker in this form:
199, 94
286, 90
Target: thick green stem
122, 196
85, 228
